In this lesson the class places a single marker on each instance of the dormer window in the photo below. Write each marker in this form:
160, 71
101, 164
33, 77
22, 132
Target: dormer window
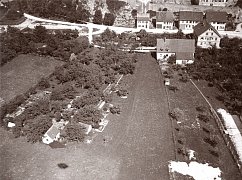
161, 49
167, 49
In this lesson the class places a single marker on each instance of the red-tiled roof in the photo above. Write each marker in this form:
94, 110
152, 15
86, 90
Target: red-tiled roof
190, 16
203, 27
164, 16
216, 16
176, 45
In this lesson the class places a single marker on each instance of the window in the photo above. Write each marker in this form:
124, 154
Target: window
211, 33
206, 33
215, 39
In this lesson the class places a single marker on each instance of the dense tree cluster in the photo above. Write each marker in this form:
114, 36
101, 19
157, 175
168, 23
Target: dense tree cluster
73, 11
147, 39
108, 19
57, 43
115, 5
222, 67
98, 17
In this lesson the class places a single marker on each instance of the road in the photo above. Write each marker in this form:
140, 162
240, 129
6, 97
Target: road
141, 137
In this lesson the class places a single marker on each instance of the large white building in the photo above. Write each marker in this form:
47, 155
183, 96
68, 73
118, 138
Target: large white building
189, 19
206, 35
182, 49
213, 2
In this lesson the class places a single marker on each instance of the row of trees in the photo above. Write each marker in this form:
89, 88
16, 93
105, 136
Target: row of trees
108, 19
73, 11
222, 67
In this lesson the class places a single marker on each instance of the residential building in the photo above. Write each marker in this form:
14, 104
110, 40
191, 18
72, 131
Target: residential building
213, 2
143, 21
164, 20
182, 49
189, 19
206, 35
217, 19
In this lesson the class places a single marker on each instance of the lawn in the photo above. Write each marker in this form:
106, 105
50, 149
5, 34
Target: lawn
191, 132
138, 146
22, 73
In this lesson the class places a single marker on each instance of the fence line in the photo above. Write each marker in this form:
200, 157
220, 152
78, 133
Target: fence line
220, 125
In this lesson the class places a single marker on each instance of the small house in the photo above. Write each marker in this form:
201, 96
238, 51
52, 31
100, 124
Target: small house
217, 19
143, 21
206, 35
189, 19
182, 49
53, 134
164, 20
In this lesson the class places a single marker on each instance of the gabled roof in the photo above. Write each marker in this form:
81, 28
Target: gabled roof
176, 45
216, 16
190, 16
164, 16
143, 17
202, 27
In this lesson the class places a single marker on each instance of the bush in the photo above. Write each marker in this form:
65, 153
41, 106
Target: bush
173, 88
115, 110
122, 92
201, 108
205, 130
214, 153
74, 132
203, 118
210, 141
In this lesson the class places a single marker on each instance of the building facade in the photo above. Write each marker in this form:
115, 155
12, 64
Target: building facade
182, 49
221, 3
164, 20
217, 19
189, 19
143, 21
206, 35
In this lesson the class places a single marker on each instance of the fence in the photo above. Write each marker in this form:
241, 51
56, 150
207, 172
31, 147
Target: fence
226, 137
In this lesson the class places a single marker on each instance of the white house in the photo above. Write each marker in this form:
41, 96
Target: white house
189, 19
182, 49
217, 19
206, 35
221, 3
143, 21
164, 20
53, 133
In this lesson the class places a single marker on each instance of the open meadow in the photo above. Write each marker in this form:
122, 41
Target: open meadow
24, 72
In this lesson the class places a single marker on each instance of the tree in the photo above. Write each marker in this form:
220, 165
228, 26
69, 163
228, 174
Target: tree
40, 33
108, 19
172, 59
34, 129
134, 13
114, 6
98, 19
74, 132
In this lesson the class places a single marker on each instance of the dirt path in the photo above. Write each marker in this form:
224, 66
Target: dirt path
142, 136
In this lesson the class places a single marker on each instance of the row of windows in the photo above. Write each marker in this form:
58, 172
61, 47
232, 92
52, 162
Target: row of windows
215, 1
207, 43
209, 38
188, 22
142, 21
190, 26
142, 26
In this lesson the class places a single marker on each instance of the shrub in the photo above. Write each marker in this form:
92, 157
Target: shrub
122, 92
203, 118
214, 153
205, 130
115, 110
201, 108
210, 141
173, 88
74, 132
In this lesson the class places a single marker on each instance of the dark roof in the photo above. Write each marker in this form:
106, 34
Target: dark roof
216, 16
190, 16
184, 55
164, 16
143, 17
203, 27
176, 45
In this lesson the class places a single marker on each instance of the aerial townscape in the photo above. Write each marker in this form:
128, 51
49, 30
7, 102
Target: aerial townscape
121, 89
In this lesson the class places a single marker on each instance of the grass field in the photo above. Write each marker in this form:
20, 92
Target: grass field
191, 131
22, 73
138, 146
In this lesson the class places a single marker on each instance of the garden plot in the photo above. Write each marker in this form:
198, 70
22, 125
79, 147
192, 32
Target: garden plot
196, 129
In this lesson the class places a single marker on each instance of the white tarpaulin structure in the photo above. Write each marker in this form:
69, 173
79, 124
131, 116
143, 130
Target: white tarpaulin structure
233, 131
